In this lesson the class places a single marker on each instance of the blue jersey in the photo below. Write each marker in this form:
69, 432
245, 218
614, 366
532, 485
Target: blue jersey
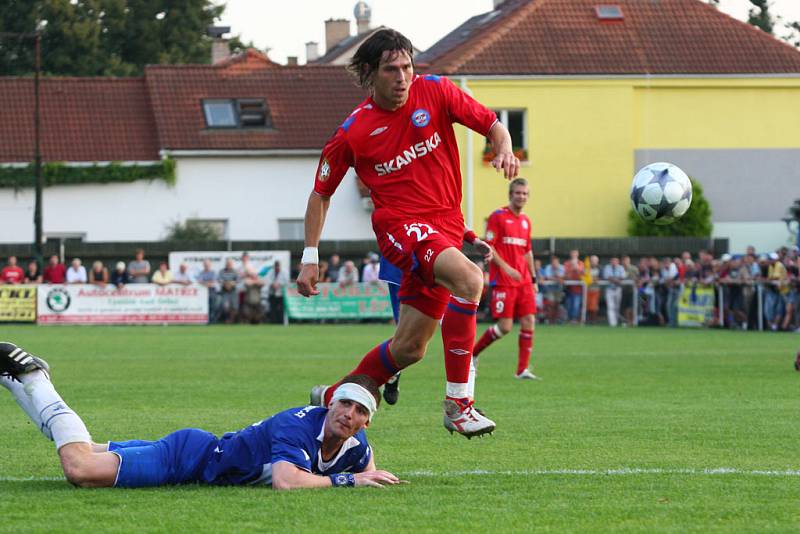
243, 457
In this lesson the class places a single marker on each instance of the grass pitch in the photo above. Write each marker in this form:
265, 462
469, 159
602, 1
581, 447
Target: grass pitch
631, 430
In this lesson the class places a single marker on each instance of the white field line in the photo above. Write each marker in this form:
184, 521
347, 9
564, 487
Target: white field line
624, 471
610, 472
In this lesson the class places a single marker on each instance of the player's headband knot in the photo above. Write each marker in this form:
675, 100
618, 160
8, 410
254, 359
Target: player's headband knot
356, 393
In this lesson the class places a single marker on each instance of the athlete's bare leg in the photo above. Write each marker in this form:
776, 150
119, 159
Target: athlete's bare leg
414, 331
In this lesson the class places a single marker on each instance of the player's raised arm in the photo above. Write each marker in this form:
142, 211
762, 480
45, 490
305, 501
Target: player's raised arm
501, 143
287, 476
316, 210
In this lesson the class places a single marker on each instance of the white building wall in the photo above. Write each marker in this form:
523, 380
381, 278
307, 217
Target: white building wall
251, 193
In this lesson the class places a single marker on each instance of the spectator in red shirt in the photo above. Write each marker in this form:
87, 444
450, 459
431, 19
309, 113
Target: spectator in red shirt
12, 273
55, 272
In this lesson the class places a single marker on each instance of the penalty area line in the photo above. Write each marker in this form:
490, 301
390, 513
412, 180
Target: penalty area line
624, 471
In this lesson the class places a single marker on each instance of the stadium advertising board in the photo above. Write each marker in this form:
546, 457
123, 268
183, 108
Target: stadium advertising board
261, 260
133, 304
17, 304
696, 306
359, 301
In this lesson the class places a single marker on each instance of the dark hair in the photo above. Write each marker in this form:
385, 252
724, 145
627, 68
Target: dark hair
367, 383
368, 56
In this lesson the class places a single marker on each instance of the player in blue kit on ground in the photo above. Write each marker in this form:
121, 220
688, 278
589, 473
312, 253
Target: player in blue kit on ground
304, 447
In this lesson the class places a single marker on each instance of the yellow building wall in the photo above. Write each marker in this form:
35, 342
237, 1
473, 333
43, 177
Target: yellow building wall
583, 134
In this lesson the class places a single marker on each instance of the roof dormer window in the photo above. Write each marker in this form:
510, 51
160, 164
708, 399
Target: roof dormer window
236, 113
609, 12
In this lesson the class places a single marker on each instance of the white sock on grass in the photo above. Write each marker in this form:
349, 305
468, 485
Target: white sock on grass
473, 371
24, 401
64, 425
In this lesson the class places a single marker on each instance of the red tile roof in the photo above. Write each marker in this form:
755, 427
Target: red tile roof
82, 119
306, 104
566, 37
132, 119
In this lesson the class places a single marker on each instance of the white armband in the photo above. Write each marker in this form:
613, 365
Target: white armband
310, 255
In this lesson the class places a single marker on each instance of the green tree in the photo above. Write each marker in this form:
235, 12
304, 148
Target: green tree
695, 223
793, 37
106, 37
192, 230
760, 17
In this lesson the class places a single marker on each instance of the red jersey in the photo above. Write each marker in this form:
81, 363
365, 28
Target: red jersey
408, 158
55, 274
12, 275
510, 235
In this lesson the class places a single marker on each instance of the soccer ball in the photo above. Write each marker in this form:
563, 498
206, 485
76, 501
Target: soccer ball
661, 193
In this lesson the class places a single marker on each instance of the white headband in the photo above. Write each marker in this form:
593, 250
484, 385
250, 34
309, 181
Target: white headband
356, 393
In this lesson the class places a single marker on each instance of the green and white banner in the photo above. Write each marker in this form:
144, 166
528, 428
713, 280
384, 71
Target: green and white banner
358, 301
132, 304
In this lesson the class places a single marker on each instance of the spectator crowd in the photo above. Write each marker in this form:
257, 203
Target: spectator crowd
743, 286
645, 292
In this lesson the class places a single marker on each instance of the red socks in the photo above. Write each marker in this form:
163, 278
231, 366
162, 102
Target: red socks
458, 334
378, 364
490, 336
525, 347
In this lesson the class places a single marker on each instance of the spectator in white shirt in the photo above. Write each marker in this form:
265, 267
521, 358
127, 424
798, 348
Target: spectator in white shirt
182, 276
371, 269
76, 274
348, 274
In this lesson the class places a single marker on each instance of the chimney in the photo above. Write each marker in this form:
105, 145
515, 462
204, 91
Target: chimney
497, 3
336, 30
220, 49
312, 51
291, 61
363, 13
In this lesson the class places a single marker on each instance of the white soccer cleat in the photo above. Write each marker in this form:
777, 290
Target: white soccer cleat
466, 420
318, 395
527, 375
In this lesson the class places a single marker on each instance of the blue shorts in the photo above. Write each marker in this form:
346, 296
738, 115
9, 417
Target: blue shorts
178, 458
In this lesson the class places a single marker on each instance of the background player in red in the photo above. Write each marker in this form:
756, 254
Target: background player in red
512, 277
401, 142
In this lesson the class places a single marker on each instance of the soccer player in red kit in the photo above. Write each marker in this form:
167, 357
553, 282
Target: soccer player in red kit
512, 276
401, 142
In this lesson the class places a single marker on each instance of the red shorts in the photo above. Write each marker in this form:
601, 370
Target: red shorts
510, 302
412, 244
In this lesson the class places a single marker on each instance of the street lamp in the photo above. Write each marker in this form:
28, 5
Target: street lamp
37, 137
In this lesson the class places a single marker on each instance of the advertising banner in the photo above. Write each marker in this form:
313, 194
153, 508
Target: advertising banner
17, 304
133, 304
696, 306
261, 260
359, 301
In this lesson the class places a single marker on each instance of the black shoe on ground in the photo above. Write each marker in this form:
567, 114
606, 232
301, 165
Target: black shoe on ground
797, 362
15, 361
391, 390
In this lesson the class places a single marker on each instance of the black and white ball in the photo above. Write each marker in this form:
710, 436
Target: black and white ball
661, 193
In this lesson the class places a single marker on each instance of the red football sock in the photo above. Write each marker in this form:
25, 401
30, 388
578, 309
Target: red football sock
458, 335
490, 336
525, 348
378, 364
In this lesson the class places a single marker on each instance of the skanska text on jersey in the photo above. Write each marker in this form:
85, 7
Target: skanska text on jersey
413, 152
